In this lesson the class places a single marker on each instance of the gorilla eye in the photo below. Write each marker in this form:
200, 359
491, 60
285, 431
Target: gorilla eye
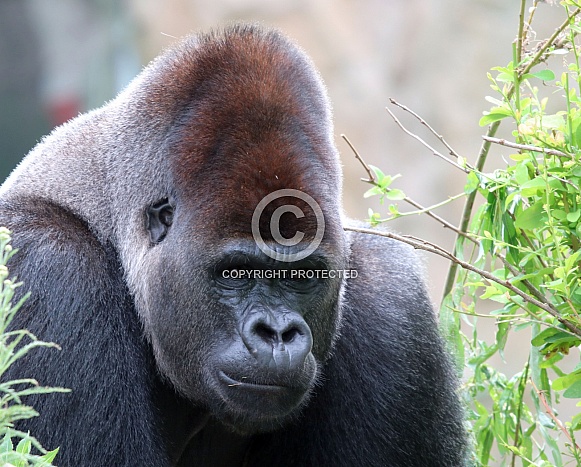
159, 220
235, 278
301, 280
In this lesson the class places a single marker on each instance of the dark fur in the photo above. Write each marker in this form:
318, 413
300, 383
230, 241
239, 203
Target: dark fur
211, 127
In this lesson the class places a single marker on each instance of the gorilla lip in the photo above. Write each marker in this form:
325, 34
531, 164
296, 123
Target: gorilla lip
231, 382
271, 400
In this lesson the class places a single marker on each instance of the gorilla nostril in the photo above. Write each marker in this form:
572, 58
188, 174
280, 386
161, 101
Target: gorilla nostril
266, 333
289, 335
272, 336
280, 342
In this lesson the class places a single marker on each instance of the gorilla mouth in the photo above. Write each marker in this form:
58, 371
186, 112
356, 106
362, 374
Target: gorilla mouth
271, 399
254, 406
233, 383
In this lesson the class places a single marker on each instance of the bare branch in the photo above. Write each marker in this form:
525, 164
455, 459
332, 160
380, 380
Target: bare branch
371, 178
550, 413
423, 122
526, 147
441, 220
408, 200
520, 37
434, 152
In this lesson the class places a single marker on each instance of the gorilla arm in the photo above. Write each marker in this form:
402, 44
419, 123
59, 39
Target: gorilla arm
79, 301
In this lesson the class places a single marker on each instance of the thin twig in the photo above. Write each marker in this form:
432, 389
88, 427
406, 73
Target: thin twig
441, 220
423, 122
434, 152
529, 21
519, 37
422, 244
538, 57
518, 428
550, 413
408, 200
371, 178
526, 147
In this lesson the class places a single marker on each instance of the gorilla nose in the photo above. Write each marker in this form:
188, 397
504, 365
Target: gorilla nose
279, 342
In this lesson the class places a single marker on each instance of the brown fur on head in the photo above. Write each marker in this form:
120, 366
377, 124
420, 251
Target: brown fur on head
253, 118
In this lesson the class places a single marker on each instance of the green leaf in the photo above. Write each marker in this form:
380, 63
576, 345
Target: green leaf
502, 335
472, 182
545, 75
509, 236
532, 187
553, 122
485, 439
373, 191
50, 456
545, 334
559, 214
24, 446
6, 445
574, 216
494, 100
23, 449
521, 173
573, 391
491, 117
518, 157
505, 77
377, 172
393, 210
395, 194
531, 218
566, 381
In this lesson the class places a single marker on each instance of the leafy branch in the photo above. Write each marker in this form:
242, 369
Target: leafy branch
430, 247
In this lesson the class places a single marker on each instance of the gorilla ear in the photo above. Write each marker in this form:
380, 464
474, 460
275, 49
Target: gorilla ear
159, 219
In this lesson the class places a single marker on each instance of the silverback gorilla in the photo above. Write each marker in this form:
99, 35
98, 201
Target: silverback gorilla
184, 245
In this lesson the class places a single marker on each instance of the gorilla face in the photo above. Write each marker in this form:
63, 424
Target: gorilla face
237, 333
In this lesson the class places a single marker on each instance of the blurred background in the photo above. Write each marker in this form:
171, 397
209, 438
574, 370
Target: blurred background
63, 57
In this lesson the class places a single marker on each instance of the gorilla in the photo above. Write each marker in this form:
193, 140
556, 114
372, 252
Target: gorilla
185, 246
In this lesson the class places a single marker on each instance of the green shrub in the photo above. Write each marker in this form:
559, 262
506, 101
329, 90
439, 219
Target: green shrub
519, 247
13, 345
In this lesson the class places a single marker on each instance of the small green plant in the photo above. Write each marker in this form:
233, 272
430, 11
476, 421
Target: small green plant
14, 344
518, 246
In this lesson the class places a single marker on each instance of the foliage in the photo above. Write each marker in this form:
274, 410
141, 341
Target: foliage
14, 344
521, 250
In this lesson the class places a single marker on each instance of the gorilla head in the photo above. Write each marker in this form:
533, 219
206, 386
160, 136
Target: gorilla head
236, 329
